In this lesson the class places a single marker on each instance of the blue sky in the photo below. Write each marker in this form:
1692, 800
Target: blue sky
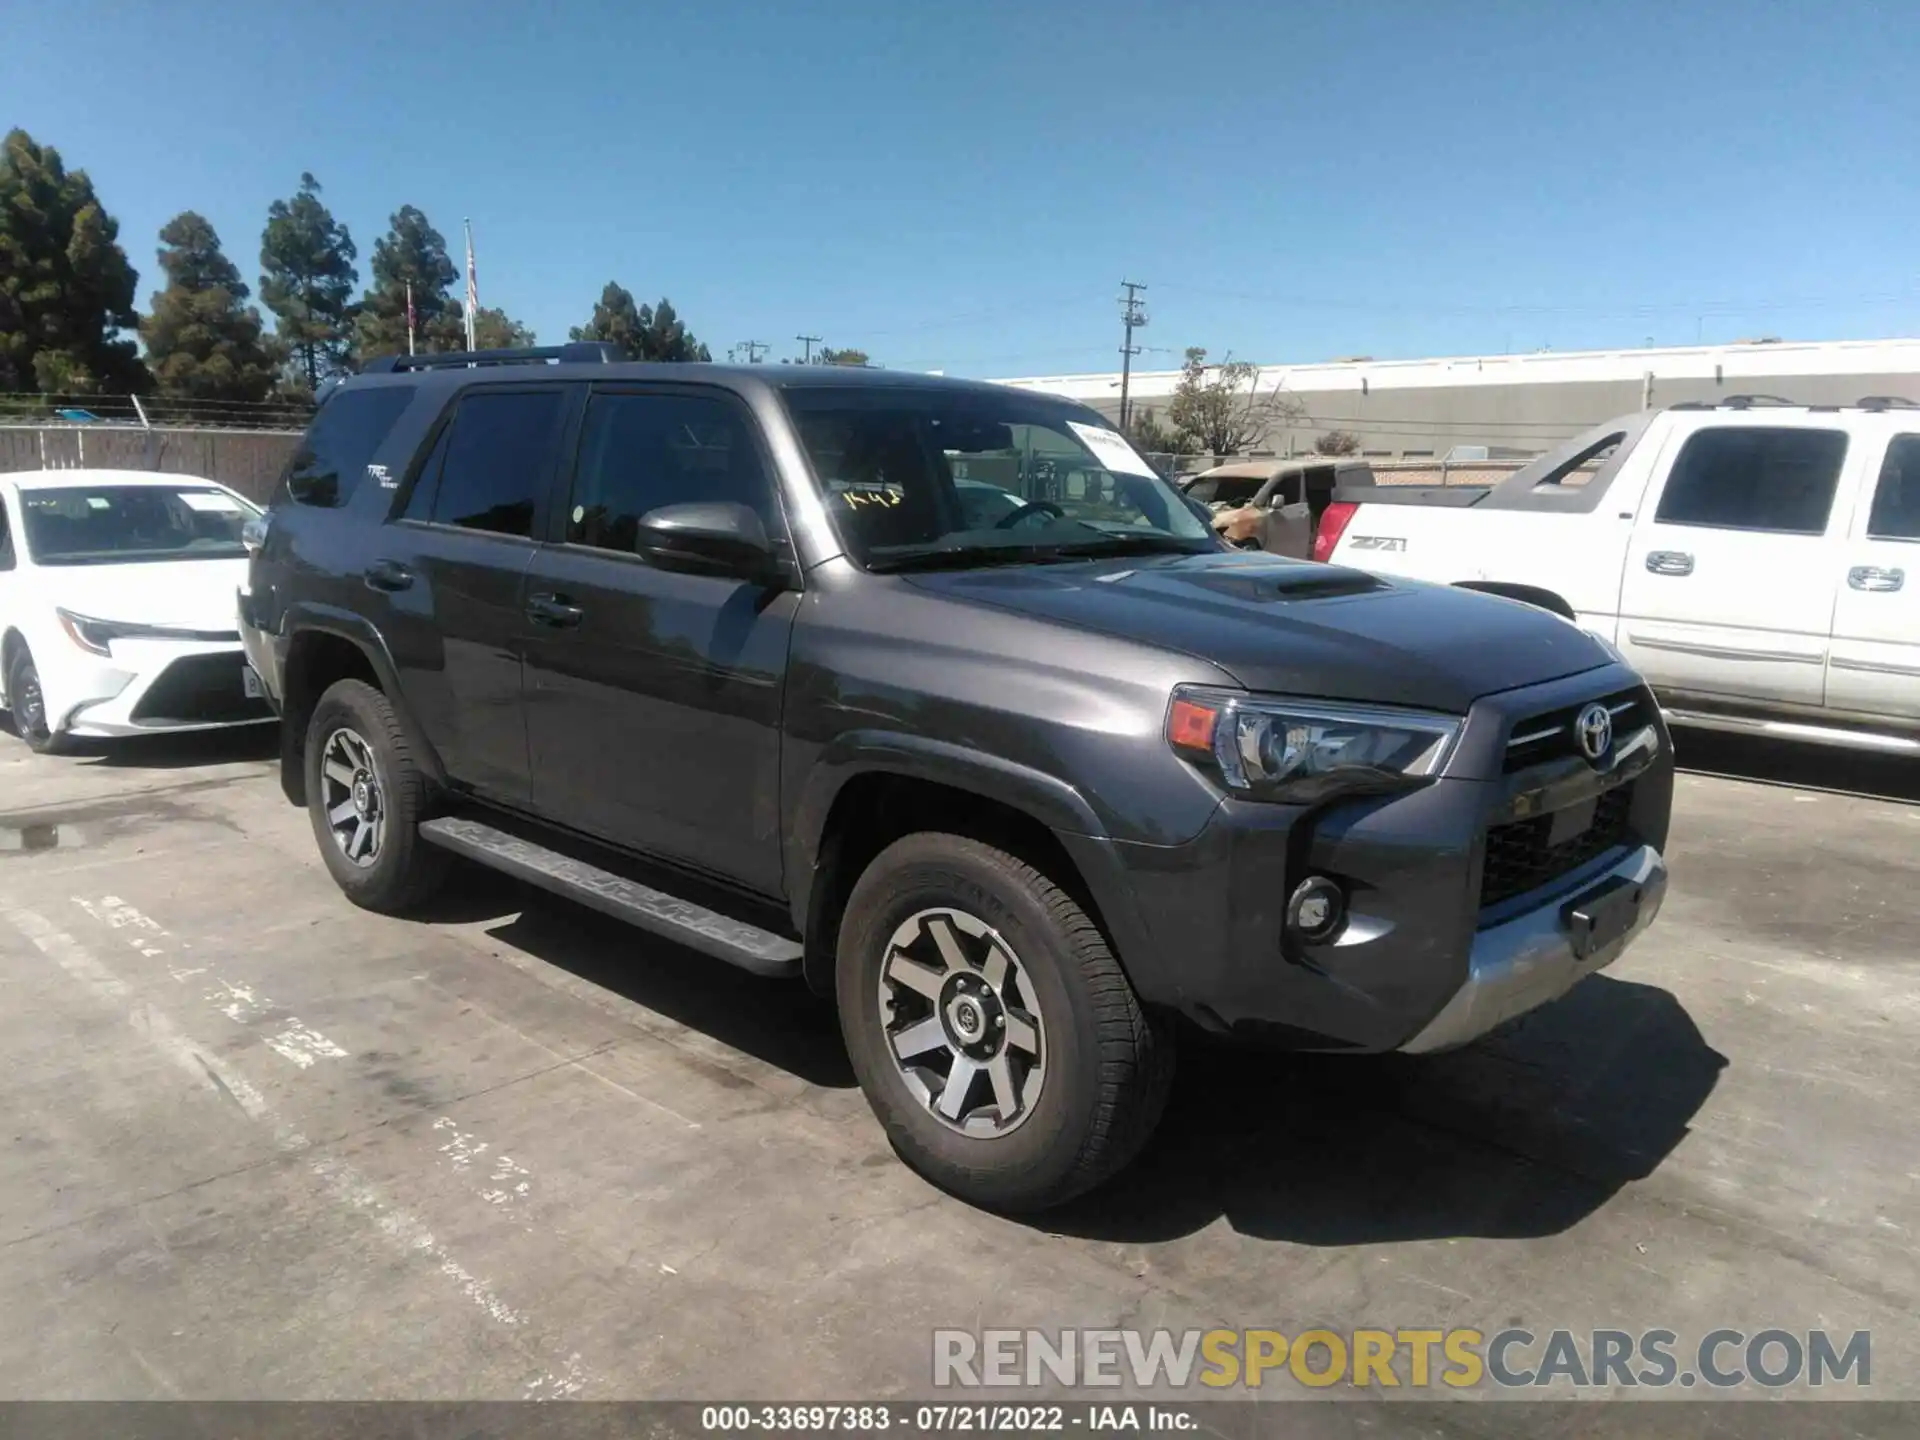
962, 186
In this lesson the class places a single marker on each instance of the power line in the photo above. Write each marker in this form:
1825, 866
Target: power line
809, 341
754, 348
1697, 308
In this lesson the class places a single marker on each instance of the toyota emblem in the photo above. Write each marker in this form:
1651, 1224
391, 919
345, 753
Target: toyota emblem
1594, 731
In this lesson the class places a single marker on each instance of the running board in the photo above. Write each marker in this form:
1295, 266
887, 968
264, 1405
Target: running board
695, 926
1792, 730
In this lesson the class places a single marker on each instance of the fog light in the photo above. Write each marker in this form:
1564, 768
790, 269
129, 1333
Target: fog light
1317, 909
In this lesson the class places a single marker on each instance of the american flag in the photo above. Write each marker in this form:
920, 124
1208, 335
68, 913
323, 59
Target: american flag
473, 289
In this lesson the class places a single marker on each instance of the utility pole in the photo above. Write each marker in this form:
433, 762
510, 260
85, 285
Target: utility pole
1132, 317
809, 341
754, 349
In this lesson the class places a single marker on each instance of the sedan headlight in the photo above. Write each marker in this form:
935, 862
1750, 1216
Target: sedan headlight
94, 636
1305, 751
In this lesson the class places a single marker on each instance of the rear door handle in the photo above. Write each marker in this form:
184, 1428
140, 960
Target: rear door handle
388, 575
1873, 577
1669, 562
555, 611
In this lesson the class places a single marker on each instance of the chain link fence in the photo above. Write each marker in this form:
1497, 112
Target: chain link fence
249, 461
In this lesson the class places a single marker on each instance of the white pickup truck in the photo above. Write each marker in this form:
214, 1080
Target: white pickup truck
1751, 559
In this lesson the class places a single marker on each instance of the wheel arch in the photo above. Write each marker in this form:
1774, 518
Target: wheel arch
869, 790
321, 649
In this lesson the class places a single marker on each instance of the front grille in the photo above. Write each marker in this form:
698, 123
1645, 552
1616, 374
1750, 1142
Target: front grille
1550, 735
198, 690
1522, 857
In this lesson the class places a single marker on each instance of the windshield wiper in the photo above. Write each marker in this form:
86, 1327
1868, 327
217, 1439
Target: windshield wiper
1129, 545
961, 557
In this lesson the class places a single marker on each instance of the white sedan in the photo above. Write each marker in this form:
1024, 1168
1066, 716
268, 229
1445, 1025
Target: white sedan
117, 605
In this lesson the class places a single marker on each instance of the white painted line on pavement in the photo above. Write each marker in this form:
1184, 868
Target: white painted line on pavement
405, 1230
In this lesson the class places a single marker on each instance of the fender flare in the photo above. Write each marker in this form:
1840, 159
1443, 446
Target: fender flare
367, 639
1045, 798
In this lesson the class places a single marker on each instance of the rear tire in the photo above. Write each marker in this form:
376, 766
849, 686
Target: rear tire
957, 958
29, 706
366, 797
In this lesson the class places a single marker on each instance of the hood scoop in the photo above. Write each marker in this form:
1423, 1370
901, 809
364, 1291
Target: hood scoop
1288, 582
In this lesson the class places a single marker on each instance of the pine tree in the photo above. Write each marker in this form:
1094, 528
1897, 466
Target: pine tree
203, 342
411, 251
66, 287
496, 330
642, 332
307, 258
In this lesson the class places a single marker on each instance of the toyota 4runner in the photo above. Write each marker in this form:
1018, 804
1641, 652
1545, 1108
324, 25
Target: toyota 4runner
739, 656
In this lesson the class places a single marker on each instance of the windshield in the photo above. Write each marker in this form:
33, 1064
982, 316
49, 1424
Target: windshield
921, 476
123, 524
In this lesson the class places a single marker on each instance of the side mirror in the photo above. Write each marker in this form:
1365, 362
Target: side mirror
708, 537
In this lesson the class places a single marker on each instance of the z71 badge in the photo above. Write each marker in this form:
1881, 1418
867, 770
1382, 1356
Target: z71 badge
1378, 542
381, 476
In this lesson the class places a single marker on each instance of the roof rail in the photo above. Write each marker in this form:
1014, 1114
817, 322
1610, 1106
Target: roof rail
1886, 402
589, 352
1752, 402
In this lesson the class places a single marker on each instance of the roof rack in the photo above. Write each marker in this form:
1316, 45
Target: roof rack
1740, 402
1886, 402
588, 352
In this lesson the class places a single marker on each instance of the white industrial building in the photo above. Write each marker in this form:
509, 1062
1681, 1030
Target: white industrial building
1415, 409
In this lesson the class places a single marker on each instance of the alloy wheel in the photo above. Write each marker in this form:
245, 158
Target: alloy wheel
355, 806
963, 1022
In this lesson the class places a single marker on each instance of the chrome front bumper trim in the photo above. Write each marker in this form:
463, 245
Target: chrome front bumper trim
1527, 961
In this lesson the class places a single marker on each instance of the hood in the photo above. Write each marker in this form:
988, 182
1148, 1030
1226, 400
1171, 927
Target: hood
1295, 628
179, 594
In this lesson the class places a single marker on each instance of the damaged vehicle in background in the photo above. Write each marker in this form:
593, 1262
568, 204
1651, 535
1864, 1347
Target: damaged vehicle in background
1274, 505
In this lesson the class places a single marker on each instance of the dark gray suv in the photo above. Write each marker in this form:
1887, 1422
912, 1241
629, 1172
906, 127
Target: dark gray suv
722, 652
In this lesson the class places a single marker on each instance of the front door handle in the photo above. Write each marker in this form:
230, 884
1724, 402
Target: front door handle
1874, 577
553, 610
1669, 562
388, 575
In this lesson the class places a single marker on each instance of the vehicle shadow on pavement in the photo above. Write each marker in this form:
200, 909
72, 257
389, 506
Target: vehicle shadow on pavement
180, 751
780, 1022
1780, 762
1524, 1134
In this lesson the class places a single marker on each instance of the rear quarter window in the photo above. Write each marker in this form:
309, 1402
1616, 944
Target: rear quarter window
334, 454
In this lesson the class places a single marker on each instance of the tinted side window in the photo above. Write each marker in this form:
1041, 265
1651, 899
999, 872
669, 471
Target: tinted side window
1896, 498
639, 452
499, 453
333, 456
1754, 478
426, 483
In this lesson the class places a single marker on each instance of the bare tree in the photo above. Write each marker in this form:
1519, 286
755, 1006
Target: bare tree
1222, 408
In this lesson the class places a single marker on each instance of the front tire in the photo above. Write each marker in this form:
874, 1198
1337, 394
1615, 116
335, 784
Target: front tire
29, 706
366, 797
994, 1033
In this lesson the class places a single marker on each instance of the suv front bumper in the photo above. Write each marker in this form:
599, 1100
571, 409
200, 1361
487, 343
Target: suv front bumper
1525, 962
1464, 897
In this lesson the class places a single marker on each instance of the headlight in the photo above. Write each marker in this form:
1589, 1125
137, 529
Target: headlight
1302, 752
91, 635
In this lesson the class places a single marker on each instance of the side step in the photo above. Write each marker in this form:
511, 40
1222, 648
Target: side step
1791, 730
695, 926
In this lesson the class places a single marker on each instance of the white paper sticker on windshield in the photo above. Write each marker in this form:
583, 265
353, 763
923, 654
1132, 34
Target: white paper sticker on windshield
1111, 450
210, 502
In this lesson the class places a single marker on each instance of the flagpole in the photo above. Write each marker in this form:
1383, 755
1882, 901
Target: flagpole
473, 290
409, 317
